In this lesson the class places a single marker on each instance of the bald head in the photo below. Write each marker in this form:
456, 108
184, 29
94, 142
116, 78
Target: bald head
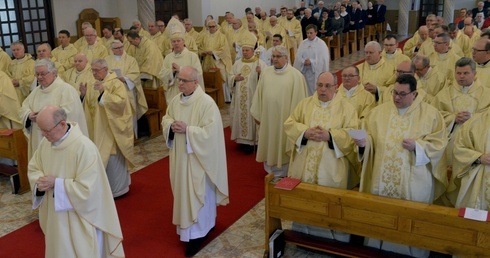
52, 122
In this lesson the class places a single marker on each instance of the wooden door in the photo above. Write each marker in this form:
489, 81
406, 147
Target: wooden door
164, 9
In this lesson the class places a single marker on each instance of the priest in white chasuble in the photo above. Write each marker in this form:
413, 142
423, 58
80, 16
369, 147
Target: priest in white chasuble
280, 88
21, 70
313, 58
470, 182
462, 98
375, 72
294, 32
180, 56
193, 132
127, 71
157, 36
215, 52
391, 53
444, 57
403, 154
9, 109
323, 150
236, 35
430, 79
243, 80
351, 89
80, 74
51, 90
65, 52
149, 59
69, 186
481, 55
275, 28
4, 62
107, 107
94, 48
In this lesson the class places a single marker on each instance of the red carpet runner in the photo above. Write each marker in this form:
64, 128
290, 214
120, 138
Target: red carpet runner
146, 212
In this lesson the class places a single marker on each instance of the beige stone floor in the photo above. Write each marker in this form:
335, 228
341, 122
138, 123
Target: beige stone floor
245, 238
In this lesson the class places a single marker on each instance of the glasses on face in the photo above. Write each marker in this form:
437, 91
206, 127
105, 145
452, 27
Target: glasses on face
478, 50
421, 69
349, 76
211, 27
118, 47
97, 70
42, 74
400, 94
90, 35
184, 80
52, 128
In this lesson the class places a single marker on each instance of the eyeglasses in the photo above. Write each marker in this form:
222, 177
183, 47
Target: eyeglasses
97, 70
118, 47
184, 80
42, 74
90, 35
349, 76
211, 27
48, 131
478, 50
400, 94
421, 69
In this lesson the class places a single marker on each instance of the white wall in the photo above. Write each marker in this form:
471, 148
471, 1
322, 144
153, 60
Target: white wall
65, 12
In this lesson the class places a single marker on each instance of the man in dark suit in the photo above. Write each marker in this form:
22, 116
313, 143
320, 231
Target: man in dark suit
381, 11
307, 20
320, 9
480, 8
355, 16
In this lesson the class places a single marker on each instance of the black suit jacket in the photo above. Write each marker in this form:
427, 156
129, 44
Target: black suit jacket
305, 22
381, 12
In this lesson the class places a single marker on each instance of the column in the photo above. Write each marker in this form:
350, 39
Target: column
146, 12
405, 7
448, 11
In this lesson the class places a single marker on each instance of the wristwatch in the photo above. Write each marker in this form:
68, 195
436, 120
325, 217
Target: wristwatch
478, 161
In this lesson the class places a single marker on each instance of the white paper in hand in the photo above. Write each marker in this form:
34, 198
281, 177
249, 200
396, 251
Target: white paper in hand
358, 134
118, 72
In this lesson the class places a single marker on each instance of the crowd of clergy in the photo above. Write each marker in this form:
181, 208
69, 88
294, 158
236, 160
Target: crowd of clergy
424, 108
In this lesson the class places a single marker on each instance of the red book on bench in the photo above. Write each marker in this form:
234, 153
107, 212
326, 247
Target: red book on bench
287, 183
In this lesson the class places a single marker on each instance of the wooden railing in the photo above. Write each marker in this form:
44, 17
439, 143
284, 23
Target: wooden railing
427, 226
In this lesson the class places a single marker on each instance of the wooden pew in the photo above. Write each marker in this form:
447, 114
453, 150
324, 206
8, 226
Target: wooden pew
345, 43
353, 41
335, 46
361, 38
14, 146
157, 106
214, 86
431, 227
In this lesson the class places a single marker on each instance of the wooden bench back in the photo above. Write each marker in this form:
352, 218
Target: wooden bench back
155, 98
427, 226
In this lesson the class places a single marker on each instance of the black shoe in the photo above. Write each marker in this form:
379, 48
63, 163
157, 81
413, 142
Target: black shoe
248, 149
193, 246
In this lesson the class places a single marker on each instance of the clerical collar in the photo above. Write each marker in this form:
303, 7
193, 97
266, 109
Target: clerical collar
21, 58
483, 64
64, 136
117, 57
343, 13
373, 66
185, 98
281, 69
349, 93
442, 56
336, 18
402, 111
465, 89
425, 75
325, 104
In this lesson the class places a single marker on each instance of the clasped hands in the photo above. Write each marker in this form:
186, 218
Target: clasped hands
178, 127
45, 183
317, 134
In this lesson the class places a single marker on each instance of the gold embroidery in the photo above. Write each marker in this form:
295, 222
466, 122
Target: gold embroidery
245, 71
396, 160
